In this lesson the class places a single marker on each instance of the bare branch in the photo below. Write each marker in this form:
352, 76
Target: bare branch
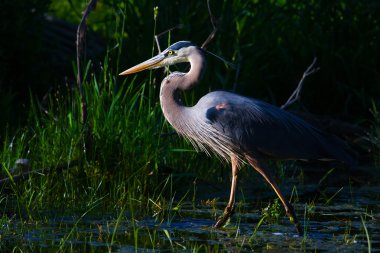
214, 25
157, 43
156, 37
81, 31
296, 93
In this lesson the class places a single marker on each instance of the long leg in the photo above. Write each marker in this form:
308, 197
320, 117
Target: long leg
228, 211
261, 167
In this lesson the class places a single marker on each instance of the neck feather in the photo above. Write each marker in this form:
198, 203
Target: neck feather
174, 111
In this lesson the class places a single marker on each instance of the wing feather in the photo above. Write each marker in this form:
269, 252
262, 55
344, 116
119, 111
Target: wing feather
255, 126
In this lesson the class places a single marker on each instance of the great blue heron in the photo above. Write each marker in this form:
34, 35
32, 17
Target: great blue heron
237, 128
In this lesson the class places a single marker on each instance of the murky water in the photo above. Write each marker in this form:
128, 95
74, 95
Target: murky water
335, 219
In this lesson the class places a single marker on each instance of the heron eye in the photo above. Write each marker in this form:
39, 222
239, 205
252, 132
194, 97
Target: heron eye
170, 52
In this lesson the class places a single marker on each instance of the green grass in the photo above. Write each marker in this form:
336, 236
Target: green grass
130, 165
118, 168
118, 152
119, 173
119, 155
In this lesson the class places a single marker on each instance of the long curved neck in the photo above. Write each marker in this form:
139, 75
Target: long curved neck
174, 111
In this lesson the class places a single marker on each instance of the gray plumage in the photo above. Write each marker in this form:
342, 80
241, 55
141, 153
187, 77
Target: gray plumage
259, 127
237, 128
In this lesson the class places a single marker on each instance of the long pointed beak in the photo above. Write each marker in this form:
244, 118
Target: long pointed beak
152, 63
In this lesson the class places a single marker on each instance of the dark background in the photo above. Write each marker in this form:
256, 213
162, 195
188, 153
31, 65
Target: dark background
273, 41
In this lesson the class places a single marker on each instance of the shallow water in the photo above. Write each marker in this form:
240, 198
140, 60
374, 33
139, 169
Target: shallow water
334, 219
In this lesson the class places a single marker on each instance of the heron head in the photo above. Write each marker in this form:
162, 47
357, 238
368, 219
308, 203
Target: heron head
176, 53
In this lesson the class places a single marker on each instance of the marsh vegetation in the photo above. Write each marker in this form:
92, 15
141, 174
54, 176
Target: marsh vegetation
124, 181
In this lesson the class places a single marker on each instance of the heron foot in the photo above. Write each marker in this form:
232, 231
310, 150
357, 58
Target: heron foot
228, 211
293, 219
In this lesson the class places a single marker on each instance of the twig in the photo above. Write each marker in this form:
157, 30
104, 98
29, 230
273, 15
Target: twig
180, 26
296, 93
79, 47
156, 37
214, 25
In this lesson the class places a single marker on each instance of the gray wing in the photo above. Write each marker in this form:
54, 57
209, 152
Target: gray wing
256, 126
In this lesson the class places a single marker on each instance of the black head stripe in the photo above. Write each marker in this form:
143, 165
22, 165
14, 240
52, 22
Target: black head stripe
180, 44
